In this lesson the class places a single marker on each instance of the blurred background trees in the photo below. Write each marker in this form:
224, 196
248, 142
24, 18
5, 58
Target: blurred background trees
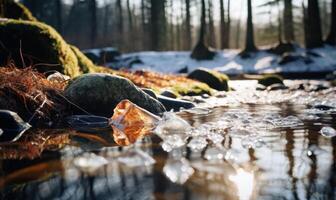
137, 25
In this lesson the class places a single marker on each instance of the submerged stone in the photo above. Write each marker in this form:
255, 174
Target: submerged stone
175, 104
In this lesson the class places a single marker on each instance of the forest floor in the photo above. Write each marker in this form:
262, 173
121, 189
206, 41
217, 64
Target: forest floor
231, 63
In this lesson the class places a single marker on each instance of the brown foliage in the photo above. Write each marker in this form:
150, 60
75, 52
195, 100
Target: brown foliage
29, 93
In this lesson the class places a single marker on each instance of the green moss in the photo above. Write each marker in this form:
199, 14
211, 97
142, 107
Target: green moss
212, 78
15, 10
42, 47
270, 79
191, 90
84, 63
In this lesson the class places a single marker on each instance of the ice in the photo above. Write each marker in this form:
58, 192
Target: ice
197, 144
89, 162
290, 121
216, 138
171, 124
214, 154
135, 157
178, 170
173, 141
252, 141
328, 132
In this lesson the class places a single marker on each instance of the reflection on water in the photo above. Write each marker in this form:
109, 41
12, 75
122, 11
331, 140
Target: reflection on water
292, 163
244, 181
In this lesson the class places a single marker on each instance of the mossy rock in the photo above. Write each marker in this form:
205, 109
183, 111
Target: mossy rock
195, 89
270, 79
15, 10
40, 45
212, 78
84, 63
99, 93
333, 83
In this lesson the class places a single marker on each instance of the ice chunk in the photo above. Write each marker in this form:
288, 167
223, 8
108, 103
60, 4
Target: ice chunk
328, 132
173, 141
214, 154
178, 170
130, 123
252, 141
216, 138
171, 124
89, 162
135, 157
197, 144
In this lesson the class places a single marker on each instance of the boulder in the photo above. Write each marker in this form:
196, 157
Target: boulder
99, 93
169, 93
212, 78
150, 92
270, 79
11, 126
40, 46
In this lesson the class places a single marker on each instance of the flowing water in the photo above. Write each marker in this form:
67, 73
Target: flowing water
267, 145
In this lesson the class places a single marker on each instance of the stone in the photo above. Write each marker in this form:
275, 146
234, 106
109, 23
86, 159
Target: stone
150, 92
277, 86
12, 126
212, 78
169, 93
99, 94
270, 79
175, 104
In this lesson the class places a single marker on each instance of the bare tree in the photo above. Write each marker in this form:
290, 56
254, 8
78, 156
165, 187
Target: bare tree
158, 24
59, 14
314, 35
331, 39
188, 25
211, 27
93, 21
288, 21
201, 51
249, 42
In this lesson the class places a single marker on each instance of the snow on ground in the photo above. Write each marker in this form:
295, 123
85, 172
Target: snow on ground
228, 61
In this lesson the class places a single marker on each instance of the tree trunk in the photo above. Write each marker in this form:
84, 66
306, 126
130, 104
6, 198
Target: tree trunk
228, 25
59, 14
288, 21
106, 20
158, 22
120, 19
188, 25
211, 26
249, 43
314, 25
201, 51
331, 39
130, 26
222, 25
93, 20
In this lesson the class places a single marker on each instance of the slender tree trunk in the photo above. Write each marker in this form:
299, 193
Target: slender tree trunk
279, 25
130, 25
305, 23
144, 25
188, 25
106, 20
222, 25
249, 43
211, 35
158, 22
120, 24
331, 39
93, 20
201, 51
314, 25
59, 14
288, 21
228, 24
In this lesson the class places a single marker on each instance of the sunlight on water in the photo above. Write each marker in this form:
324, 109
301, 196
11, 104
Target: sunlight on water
244, 182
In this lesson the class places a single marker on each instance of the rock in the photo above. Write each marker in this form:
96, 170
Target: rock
292, 57
277, 86
99, 94
175, 104
260, 87
58, 77
149, 92
92, 56
40, 44
169, 93
12, 126
270, 79
108, 55
331, 76
183, 70
282, 48
316, 88
191, 89
323, 107
15, 10
214, 79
